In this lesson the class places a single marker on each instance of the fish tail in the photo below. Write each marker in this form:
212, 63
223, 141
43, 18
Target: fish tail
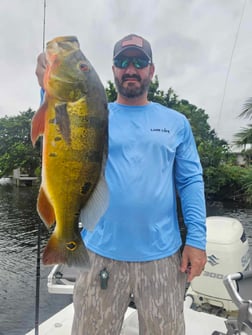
72, 253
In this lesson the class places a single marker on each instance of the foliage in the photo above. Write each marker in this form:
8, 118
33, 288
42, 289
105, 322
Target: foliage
111, 92
225, 182
244, 137
247, 184
247, 109
15, 145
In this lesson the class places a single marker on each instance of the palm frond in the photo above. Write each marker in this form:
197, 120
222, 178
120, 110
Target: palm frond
247, 109
244, 136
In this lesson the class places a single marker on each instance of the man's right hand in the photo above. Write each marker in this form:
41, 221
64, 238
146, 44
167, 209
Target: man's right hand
40, 69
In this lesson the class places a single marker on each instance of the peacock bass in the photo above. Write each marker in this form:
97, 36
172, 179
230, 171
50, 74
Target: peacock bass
73, 121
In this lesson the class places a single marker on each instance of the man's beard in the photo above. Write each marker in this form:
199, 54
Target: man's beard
132, 91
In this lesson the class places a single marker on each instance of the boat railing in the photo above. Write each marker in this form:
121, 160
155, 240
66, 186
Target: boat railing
239, 287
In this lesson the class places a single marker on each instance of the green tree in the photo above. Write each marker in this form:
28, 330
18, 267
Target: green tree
16, 149
247, 184
247, 109
111, 92
244, 137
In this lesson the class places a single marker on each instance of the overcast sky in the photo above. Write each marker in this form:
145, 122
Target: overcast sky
193, 42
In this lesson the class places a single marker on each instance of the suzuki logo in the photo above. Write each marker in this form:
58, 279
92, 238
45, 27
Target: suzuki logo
213, 260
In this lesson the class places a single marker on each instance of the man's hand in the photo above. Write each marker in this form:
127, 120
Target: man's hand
193, 262
40, 69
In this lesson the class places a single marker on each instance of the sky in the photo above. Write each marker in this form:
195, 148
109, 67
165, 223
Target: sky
201, 48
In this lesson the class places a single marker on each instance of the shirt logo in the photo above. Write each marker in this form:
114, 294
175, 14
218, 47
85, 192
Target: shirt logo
161, 130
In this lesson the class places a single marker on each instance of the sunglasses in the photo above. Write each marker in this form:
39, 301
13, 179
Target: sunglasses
138, 62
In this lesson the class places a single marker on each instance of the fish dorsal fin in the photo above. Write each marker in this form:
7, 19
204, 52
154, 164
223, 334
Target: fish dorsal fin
97, 204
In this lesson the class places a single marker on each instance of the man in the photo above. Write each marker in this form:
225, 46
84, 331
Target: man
135, 247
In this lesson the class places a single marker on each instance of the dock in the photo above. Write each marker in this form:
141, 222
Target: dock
22, 179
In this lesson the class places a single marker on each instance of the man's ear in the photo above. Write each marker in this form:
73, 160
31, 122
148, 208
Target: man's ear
152, 70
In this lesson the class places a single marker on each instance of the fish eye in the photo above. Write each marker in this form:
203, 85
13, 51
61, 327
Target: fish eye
84, 67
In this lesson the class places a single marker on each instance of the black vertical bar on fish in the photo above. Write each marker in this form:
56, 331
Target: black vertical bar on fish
37, 282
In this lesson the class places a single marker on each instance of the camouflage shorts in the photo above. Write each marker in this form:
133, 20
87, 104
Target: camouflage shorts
157, 288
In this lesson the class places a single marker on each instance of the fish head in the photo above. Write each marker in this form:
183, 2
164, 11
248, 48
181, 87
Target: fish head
67, 72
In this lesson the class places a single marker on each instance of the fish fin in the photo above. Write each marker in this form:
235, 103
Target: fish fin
72, 253
96, 205
38, 123
45, 208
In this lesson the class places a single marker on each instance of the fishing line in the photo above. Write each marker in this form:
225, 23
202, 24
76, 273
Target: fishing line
37, 281
37, 296
44, 21
230, 64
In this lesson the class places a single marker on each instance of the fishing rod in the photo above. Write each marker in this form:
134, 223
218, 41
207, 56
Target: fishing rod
44, 21
37, 296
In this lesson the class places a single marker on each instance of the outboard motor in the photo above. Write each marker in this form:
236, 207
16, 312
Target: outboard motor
227, 252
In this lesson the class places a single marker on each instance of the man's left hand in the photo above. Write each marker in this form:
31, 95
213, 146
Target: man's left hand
193, 261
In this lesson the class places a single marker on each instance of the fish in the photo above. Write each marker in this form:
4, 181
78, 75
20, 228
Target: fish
73, 121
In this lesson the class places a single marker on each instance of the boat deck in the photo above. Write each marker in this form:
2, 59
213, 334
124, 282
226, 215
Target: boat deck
196, 323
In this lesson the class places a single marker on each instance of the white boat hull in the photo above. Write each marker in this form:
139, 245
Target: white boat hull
196, 323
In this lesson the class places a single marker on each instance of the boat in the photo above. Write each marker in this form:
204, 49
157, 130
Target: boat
219, 302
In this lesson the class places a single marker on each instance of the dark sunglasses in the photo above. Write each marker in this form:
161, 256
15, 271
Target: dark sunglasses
138, 62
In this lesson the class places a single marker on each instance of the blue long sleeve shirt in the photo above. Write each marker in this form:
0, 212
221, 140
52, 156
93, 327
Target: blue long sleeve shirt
152, 155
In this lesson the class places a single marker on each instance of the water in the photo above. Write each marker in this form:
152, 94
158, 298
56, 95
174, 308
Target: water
18, 256
18, 259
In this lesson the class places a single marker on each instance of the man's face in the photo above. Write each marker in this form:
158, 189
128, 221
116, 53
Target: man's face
133, 82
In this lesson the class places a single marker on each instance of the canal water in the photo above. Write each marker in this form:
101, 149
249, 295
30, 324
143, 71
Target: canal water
18, 258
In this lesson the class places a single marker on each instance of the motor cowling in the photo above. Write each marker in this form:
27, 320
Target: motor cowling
227, 252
